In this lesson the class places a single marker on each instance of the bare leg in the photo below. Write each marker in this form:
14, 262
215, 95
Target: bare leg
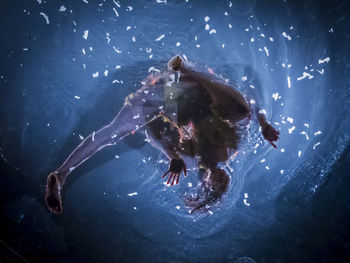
139, 109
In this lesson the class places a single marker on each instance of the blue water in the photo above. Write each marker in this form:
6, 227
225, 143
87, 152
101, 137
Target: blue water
57, 85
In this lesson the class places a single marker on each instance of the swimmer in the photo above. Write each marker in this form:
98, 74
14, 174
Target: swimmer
185, 113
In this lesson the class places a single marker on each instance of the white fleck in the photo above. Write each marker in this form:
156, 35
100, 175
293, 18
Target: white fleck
207, 27
229, 25
223, 45
159, 38
162, 1
291, 129
62, 8
206, 19
226, 14
263, 160
71, 169
132, 194
305, 74
136, 116
178, 44
95, 75
252, 39
306, 135
93, 136
282, 171
288, 81
245, 202
105, 72
133, 39
115, 11
135, 208
177, 207
271, 39
128, 28
244, 78
116, 3
86, 34
317, 144
46, 17
84, 51
117, 156
189, 184
275, 96
129, 8
117, 50
262, 35
85, 1
290, 119
267, 51
81, 137
282, 150
320, 71
299, 153
77, 97
213, 31
39, 1
327, 59
317, 133
153, 69
267, 168
306, 125
284, 34
117, 67
262, 111
252, 101
148, 50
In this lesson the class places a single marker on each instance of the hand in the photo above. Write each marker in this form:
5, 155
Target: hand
175, 169
270, 134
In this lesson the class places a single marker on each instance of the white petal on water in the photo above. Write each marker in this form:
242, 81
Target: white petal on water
271, 39
189, 184
229, 25
133, 39
62, 8
177, 207
46, 17
267, 51
282, 171
117, 156
132, 194
178, 44
161, 1
267, 168
81, 137
291, 129
105, 72
288, 81
305, 74
206, 19
320, 71
117, 50
317, 144
77, 97
128, 28
282, 150
244, 78
136, 116
93, 136
117, 67
207, 27
276, 96
317, 133
327, 59
86, 34
129, 8
291, 120
245, 202
306, 135
299, 153
95, 75
85, 1
252, 39
116, 12
213, 31
159, 38
306, 125
263, 160
284, 34
116, 3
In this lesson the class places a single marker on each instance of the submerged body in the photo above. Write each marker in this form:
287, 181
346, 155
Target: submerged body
186, 114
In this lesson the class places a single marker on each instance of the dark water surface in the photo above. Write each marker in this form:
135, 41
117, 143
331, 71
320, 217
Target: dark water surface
66, 67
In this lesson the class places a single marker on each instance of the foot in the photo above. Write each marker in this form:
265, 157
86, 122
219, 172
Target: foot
53, 194
175, 63
270, 134
175, 169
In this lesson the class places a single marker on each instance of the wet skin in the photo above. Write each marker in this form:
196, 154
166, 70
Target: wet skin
185, 113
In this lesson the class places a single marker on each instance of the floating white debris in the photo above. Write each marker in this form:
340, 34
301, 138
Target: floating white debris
252, 39
117, 67
320, 71
276, 96
282, 171
86, 34
178, 44
117, 156
206, 19
135, 208
95, 75
317, 133
267, 168
263, 160
136, 116
129, 8
317, 144
189, 184
262, 111
128, 28
229, 25
284, 34
271, 39
291, 129
210, 212
117, 50
62, 8
77, 97
159, 38
116, 12
244, 78
46, 17
105, 72
84, 51
291, 120
133, 39
305, 74
93, 136
85, 1
252, 101
288, 81
177, 207
71, 169
161, 1
266, 51
81, 137
116, 3
299, 153
306, 125
132, 194
327, 59
245, 202
226, 14
282, 150
207, 27
213, 31
306, 135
